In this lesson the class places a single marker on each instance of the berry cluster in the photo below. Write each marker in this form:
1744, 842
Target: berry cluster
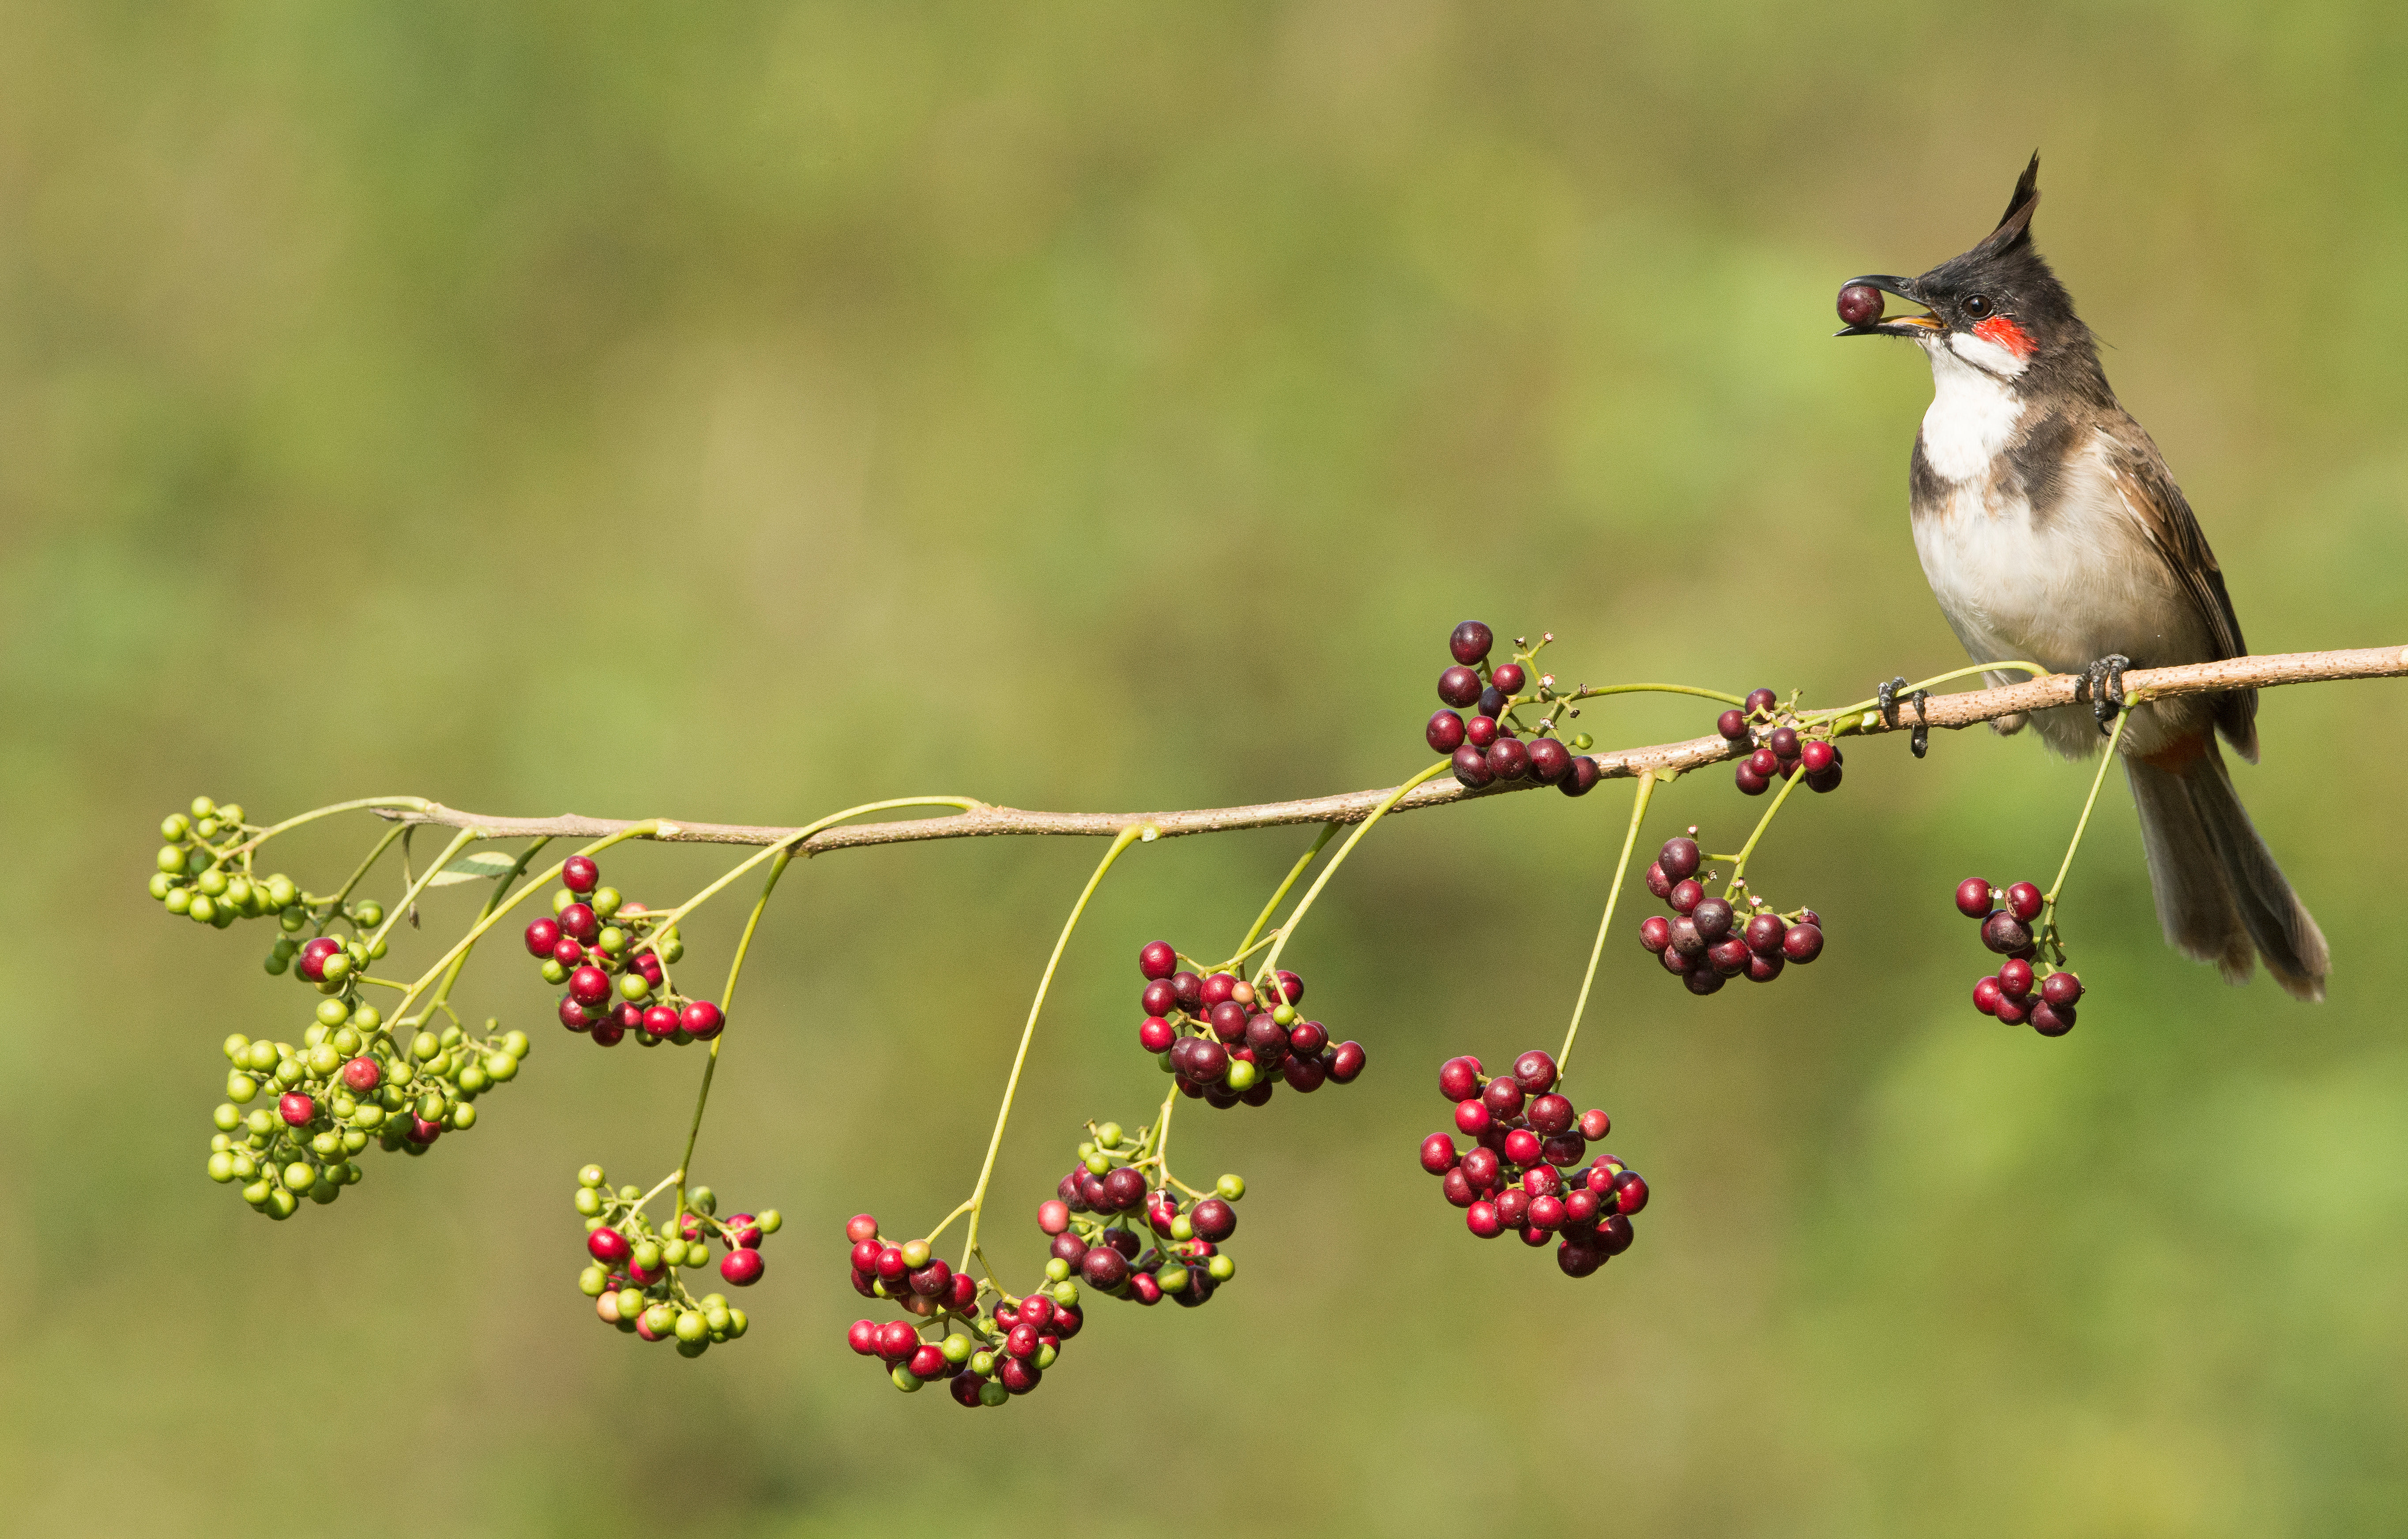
633, 1277
997, 1347
1707, 942
201, 877
1210, 1032
350, 1082
1522, 1170
1094, 1213
2017, 994
1489, 749
1781, 750
614, 956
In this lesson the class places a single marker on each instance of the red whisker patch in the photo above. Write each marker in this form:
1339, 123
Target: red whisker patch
2007, 334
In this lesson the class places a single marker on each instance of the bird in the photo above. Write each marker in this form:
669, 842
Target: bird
2053, 533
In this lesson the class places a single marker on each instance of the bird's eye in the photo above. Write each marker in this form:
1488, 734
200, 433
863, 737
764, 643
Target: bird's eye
1977, 305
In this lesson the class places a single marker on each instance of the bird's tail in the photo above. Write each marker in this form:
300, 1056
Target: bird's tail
2219, 893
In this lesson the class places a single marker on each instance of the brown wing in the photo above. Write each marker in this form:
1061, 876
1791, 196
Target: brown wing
2174, 531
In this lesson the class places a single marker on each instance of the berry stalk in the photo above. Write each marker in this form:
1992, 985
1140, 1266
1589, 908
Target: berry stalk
1268, 972
1612, 895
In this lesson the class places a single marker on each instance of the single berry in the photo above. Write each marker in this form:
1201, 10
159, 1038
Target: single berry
1973, 898
1748, 782
1503, 1097
1458, 1078
1815, 757
1733, 726
1157, 959
1470, 642
2024, 902
2014, 977
1803, 943
362, 1074
1986, 995
1458, 687
1582, 779
1158, 998
609, 1247
1346, 1062
1444, 732
1188, 990
295, 1108
579, 874
1685, 895
1472, 768
1760, 701
1656, 933
1156, 1034
2005, 933
1861, 304
1594, 1123
1437, 1154
1658, 882
1481, 731
1508, 677
2052, 1020
1550, 1114
1492, 701
2060, 990
1508, 760
541, 936
1763, 934
1550, 761
1784, 743
1535, 1072
1729, 957
1679, 857
1712, 916
860, 1227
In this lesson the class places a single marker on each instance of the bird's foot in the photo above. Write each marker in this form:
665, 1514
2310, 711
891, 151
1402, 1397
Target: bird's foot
1886, 696
1920, 743
2106, 688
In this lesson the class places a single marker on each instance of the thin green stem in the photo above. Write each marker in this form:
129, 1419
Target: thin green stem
501, 884
2113, 738
1329, 831
1592, 693
1268, 972
1612, 895
1127, 836
1738, 862
461, 841
412, 803
365, 866
726, 1000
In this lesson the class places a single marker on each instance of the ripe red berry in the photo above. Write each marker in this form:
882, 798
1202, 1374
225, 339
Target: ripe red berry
1458, 1078
577, 922
1521, 1147
608, 1034
295, 1108
1656, 933
1679, 857
609, 1247
1156, 1034
1816, 757
1733, 726
1471, 1118
1503, 1097
1582, 777
311, 963
1291, 987
1986, 995
579, 874
589, 985
1685, 895
1658, 882
1803, 943
1763, 765
1470, 642
2014, 1012
1346, 1062
1482, 1219
1458, 686
2060, 990
741, 1268
1712, 916
2051, 1019
1214, 1219
1550, 761
701, 1020
1306, 1039
1760, 701
1535, 1072
2024, 902
1158, 998
1508, 677
1444, 733
573, 1016
1763, 934
2014, 977
1157, 959
1219, 988
1763, 967
1550, 1114
568, 952
660, 1020
1492, 703
1629, 1194
1188, 990
860, 1227
1437, 1154
1594, 1123
362, 1075
1508, 760
897, 1341
2005, 933
1748, 782
1861, 304
541, 936
862, 1336
1973, 898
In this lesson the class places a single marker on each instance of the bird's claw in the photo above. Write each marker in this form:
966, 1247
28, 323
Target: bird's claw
2106, 689
1920, 743
1886, 696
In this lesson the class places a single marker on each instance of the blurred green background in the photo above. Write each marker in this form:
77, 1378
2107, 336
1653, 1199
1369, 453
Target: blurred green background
735, 412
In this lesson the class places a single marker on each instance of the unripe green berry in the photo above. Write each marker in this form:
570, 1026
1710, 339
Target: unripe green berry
175, 826
261, 1123
368, 1017
631, 1303
333, 1012
161, 885
592, 1176
293, 921
691, 1326
424, 1046
221, 1167
238, 892
501, 1067
171, 861
634, 986
770, 1220
671, 949
905, 1379
605, 902
201, 909
1182, 1228
1241, 1075
629, 1193
1099, 1164
240, 1087
647, 1257
256, 1193
323, 1059
738, 1323
517, 1045
588, 1201
1173, 1278
179, 900
594, 1281
1231, 1188
662, 1318
369, 1115
472, 1079
290, 1072
234, 1047
226, 1117
262, 1056
1057, 1269
993, 1392
355, 1140
956, 1348
281, 890
335, 968
213, 882
1109, 1136
1065, 1292
552, 972
982, 1363
1221, 1268
716, 1317
1045, 1356
231, 814
702, 1200
300, 1176
370, 914
1284, 1015
277, 966
915, 1254
463, 1118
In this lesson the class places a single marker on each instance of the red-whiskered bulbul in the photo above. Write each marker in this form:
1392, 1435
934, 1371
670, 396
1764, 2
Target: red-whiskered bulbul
2053, 533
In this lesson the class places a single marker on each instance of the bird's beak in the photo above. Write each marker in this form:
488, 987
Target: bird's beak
1893, 325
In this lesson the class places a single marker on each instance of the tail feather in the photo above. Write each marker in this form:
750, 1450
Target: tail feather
2220, 896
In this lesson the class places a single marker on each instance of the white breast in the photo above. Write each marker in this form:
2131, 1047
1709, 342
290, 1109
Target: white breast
1972, 415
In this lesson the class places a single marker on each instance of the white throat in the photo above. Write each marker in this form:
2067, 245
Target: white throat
1973, 410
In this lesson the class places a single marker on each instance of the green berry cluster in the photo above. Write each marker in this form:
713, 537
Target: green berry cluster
350, 1082
635, 1277
206, 874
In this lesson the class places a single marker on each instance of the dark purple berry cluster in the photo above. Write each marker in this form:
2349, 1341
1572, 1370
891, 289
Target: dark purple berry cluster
614, 958
2017, 994
995, 1349
1523, 1173
1781, 750
1489, 747
1706, 941
1212, 1032
1125, 1232
634, 1277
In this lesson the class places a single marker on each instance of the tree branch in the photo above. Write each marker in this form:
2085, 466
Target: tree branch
1950, 711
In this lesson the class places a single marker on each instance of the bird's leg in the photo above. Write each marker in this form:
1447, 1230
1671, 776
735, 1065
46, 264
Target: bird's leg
2106, 688
1920, 744
1886, 696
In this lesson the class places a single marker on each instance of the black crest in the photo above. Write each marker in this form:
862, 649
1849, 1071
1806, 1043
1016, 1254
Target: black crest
2015, 225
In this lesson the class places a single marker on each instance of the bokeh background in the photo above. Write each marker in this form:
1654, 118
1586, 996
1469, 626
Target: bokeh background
735, 412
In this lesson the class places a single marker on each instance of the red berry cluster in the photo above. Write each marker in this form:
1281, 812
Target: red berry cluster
1489, 747
2015, 994
1781, 750
1211, 1032
1522, 1173
1707, 942
633, 1278
605, 950
1094, 1219
992, 1354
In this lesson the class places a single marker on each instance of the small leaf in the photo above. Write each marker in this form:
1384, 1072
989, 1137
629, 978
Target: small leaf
483, 866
